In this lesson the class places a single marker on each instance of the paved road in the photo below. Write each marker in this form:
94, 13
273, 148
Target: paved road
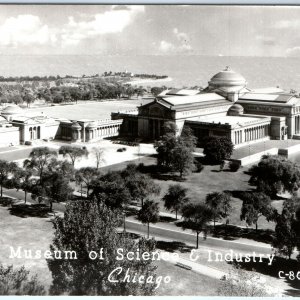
189, 238
166, 232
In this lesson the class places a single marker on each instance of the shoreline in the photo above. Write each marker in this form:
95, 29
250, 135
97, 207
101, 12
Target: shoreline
147, 81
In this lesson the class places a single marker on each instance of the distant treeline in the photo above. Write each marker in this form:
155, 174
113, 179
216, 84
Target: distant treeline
129, 74
58, 77
29, 78
42, 78
151, 76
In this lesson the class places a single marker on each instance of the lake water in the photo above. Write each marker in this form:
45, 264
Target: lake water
189, 70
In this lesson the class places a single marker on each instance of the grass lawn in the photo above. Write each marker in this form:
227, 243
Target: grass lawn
35, 233
28, 233
200, 184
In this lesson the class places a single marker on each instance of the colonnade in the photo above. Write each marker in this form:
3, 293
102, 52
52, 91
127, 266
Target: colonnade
102, 131
34, 133
256, 133
297, 124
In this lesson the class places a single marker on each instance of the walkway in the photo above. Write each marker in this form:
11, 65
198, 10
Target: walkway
261, 147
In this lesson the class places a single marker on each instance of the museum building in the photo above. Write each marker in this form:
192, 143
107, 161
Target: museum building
20, 127
225, 108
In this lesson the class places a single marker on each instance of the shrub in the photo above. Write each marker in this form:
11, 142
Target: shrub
120, 150
217, 149
234, 166
198, 167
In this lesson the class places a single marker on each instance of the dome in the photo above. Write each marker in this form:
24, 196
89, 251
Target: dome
235, 110
91, 125
75, 125
227, 78
12, 110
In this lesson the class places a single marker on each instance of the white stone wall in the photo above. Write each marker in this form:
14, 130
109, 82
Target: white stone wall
9, 136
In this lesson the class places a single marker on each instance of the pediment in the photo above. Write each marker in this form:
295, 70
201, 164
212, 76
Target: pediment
154, 109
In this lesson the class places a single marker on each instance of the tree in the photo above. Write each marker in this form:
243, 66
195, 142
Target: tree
64, 167
7, 169
275, 174
156, 90
39, 159
87, 176
286, 232
254, 206
16, 282
182, 159
112, 190
23, 180
140, 186
197, 217
17, 99
149, 213
98, 153
58, 98
217, 149
166, 144
175, 198
28, 98
239, 283
73, 152
89, 226
56, 188
176, 152
219, 203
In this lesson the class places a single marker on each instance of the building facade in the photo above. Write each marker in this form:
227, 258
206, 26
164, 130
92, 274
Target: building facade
226, 107
17, 127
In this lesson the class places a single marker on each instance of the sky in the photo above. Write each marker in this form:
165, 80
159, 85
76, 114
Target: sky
150, 30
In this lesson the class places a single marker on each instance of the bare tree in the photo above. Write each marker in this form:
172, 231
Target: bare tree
98, 153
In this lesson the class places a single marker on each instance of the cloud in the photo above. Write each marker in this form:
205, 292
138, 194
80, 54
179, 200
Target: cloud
290, 24
294, 51
111, 21
25, 30
166, 46
266, 40
181, 45
181, 36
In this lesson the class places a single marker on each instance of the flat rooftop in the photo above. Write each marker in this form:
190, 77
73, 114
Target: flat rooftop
86, 110
230, 120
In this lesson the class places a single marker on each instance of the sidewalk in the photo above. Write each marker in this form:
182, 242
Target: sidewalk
196, 267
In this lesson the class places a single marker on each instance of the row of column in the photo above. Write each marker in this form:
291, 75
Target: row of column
106, 131
238, 138
297, 124
256, 133
34, 133
94, 133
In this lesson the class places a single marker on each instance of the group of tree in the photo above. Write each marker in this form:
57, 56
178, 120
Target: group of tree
60, 92
120, 188
275, 174
272, 176
43, 174
197, 216
176, 151
18, 282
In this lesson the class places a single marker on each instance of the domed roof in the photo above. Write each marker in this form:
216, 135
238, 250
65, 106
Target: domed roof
227, 77
235, 109
91, 125
75, 125
12, 110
